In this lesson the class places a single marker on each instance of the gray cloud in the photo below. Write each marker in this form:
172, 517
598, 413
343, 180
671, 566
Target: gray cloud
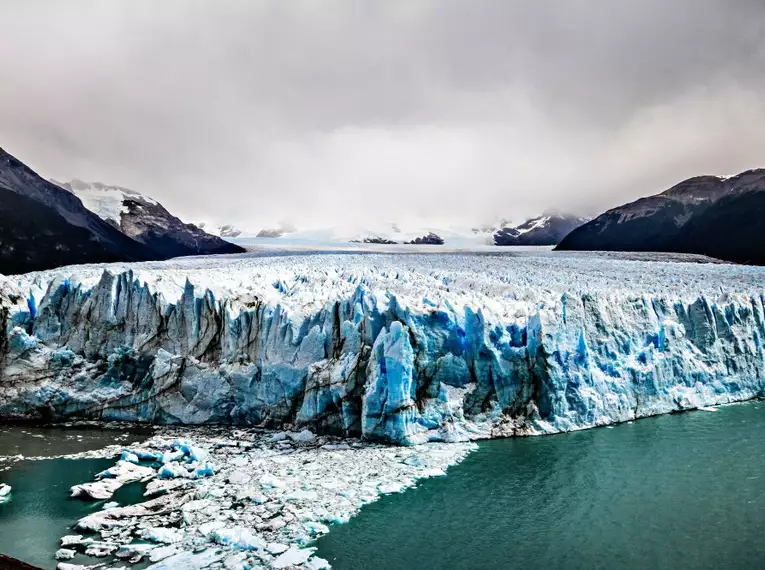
325, 112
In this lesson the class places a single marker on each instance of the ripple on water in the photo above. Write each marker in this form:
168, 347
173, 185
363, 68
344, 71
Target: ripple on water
675, 491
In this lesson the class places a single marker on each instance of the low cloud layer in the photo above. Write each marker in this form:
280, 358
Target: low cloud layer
440, 111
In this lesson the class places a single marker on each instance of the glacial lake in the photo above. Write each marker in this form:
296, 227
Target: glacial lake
677, 491
40, 511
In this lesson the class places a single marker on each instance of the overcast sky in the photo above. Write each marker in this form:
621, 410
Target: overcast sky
325, 112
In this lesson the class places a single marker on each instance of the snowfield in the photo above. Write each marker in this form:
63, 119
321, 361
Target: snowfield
107, 202
403, 348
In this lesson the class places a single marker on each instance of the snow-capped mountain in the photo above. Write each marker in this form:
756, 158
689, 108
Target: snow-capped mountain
547, 229
718, 216
43, 226
380, 233
220, 230
147, 221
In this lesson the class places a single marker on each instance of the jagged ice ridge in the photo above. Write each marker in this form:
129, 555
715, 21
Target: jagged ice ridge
401, 348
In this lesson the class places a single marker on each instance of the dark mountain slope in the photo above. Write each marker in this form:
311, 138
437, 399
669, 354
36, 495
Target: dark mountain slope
34, 236
707, 215
147, 221
17, 177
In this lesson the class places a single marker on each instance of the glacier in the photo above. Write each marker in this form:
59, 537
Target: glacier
400, 348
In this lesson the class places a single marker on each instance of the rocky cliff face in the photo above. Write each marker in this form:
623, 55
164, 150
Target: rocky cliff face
147, 221
383, 363
42, 224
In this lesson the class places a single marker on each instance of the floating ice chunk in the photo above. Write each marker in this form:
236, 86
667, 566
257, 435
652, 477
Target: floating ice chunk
131, 550
145, 455
189, 560
129, 457
238, 537
65, 554
206, 529
126, 472
162, 534
301, 495
194, 453
162, 552
239, 478
336, 446
337, 518
110, 505
5, 491
413, 461
305, 435
314, 527
236, 562
293, 557
173, 470
100, 549
279, 436
276, 548
393, 487
163, 486
97, 491
707, 408
316, 563
239, 461
71, 540
204, 470
172, 456
268, 481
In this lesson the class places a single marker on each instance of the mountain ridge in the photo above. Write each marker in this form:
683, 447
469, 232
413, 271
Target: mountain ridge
42, 222
147, 221
702, 215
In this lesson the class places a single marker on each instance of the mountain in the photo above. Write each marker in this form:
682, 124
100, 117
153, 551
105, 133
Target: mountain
147, 221
44, 226
709, 215
430, 239
222, 230
547, 229
385, 233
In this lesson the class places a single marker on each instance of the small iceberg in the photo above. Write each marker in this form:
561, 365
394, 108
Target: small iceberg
5, 492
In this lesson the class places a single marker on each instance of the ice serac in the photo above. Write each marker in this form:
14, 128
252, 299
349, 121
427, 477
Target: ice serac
397, 348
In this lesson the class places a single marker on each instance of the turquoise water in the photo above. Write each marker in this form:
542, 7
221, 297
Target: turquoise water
679, 491
40, 511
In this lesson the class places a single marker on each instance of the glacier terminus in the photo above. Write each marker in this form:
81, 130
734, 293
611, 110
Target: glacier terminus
401, 348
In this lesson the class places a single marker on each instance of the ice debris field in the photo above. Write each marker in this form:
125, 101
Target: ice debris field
403, 348
239, 498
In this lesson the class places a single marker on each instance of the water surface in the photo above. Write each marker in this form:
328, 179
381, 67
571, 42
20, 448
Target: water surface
677, 491
40, 511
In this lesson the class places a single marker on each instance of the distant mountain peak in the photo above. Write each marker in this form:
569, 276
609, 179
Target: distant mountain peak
146, 220
548, 229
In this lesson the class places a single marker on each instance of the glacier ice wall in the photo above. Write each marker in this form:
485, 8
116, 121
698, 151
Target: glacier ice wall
399, 348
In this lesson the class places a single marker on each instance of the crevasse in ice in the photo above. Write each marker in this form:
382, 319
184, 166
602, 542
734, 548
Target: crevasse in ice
402, 348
